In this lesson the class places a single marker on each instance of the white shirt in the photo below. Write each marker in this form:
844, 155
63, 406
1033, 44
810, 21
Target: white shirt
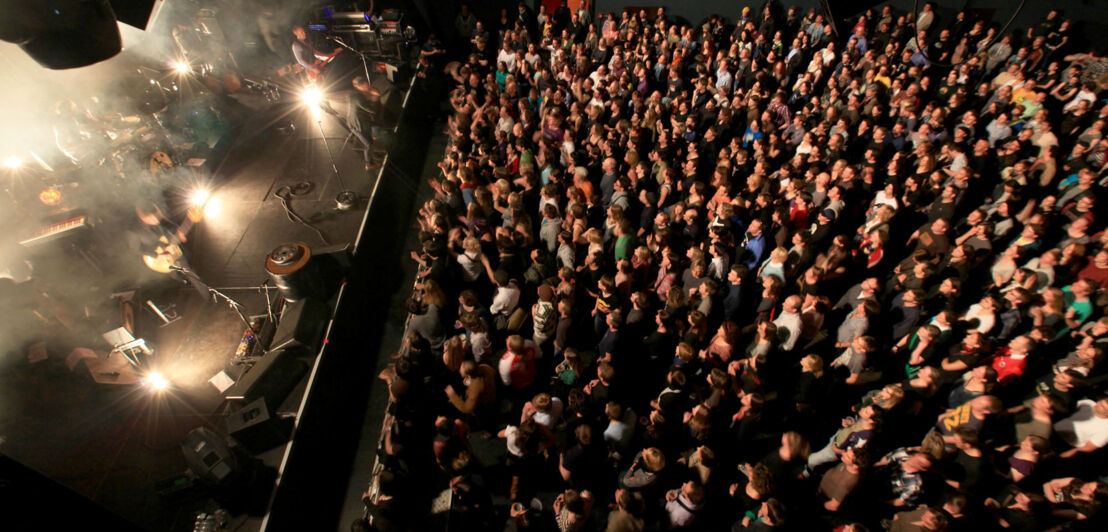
472, 266
791, 324
619, 431
511, 434
481, 346
1083, 426
508, 58
506, 299
679, 510
985, 322
550, 417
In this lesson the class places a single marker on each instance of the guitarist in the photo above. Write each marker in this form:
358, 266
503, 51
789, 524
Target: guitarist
308, 57
161, 241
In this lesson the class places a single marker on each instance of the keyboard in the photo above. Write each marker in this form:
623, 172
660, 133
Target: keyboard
55, 231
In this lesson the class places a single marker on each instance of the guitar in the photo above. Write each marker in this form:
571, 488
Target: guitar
319, 63
166, 254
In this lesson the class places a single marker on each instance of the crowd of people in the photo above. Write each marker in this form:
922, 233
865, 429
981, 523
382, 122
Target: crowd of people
760, 275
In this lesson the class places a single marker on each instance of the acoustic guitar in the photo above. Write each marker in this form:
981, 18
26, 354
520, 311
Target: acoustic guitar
166, 254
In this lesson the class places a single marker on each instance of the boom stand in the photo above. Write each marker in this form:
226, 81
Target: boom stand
235, 305
361, 55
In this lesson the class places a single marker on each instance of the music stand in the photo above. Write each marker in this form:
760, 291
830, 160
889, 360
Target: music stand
124, 343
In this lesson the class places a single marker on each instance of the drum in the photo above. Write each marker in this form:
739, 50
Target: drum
159, 162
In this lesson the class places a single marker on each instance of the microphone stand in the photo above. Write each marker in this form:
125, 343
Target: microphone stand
361, 55
235, 305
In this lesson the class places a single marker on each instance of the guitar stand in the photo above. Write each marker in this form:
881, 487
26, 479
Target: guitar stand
167, 315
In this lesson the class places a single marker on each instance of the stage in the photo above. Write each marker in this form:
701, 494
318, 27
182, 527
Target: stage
119, 445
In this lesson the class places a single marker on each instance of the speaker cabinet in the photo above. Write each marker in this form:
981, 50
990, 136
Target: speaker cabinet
255, 429
209, 456
273, 377
301, 324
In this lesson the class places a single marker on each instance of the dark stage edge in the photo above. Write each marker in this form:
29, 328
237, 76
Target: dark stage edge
330, 457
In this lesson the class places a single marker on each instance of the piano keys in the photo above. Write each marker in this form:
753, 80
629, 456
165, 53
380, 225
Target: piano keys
56, 231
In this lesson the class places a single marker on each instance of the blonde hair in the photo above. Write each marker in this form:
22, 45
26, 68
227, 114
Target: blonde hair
541, 402
453, 353
779, 254
933, 445
798, 444
684, 351
433, 294
896, 394
653, 459
471, 244
816, 363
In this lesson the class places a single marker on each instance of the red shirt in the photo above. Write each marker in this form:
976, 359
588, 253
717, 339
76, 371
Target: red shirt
1093, 274
1007, 366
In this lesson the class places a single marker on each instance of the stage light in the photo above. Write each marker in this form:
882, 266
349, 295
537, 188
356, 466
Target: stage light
199, 197
13, 162
181, 67
212, 208
313, 98
156, 381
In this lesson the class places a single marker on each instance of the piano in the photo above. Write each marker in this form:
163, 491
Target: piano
56, 231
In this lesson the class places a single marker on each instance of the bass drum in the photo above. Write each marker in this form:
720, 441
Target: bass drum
158, 163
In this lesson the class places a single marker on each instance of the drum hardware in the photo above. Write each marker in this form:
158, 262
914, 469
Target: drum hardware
270, 91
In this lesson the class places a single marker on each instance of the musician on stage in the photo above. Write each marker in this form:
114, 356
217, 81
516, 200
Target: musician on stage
160, 240
362, 108
307, 56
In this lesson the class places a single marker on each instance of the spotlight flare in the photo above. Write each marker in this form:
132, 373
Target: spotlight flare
156, 381
212, 208
199, 197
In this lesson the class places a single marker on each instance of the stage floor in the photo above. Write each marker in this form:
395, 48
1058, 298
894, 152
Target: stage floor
115, 444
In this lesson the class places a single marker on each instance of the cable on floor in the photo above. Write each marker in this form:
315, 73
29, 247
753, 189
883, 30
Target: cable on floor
285, 193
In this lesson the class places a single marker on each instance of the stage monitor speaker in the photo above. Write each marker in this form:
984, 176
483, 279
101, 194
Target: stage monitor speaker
301, 324
273, 377
208, 455
256, 429
331, 264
